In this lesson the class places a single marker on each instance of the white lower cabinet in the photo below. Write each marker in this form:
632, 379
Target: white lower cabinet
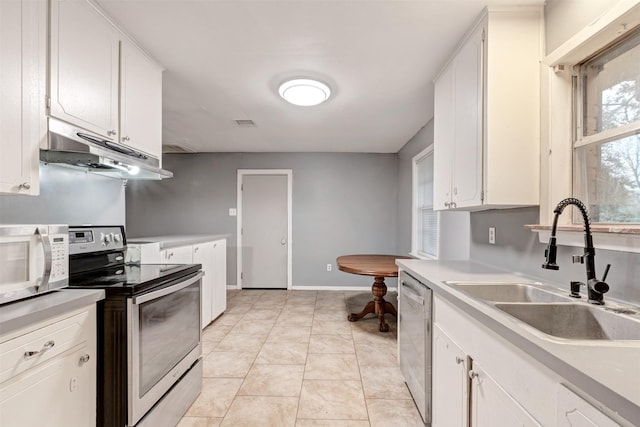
450, 382
480, 379
465, 395
219, 304
573, 411
48, 373
213, 257
492, 406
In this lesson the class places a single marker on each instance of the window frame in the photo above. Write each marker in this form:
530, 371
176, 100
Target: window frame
557, 138
416, 228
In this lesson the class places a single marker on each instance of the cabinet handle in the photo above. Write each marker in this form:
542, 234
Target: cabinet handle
453, 205
196, 249
84, 359
473, 374
459, 360
25, 186
125, 138
111, 132
447, 204
48, 345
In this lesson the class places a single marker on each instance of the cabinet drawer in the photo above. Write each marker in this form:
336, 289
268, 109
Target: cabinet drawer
43, 344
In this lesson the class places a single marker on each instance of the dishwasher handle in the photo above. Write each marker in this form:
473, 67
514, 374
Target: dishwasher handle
410, 293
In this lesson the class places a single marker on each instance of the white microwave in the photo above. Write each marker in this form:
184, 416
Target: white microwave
33, 259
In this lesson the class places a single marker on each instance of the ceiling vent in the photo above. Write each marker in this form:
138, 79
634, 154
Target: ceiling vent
173, 148
245, 123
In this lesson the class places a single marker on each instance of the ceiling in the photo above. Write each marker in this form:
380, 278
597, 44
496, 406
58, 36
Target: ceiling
224, 60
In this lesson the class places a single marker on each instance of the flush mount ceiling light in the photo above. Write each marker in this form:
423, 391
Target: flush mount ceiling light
304, 92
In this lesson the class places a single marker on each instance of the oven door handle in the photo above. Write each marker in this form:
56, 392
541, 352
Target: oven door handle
168, 290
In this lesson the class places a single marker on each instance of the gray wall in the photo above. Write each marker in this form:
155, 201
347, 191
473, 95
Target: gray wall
67, 196
419, 142
517, 249
342, 203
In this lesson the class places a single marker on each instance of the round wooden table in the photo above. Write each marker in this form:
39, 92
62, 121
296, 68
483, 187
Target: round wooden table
378, 266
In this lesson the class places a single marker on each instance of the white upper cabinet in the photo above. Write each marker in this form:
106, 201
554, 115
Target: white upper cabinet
487, 115
101, 81
140, 101
22, 77
84, 67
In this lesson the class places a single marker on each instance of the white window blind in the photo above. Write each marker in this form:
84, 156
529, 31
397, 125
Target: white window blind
425, 218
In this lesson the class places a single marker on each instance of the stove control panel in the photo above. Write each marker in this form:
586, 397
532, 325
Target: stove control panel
96, 238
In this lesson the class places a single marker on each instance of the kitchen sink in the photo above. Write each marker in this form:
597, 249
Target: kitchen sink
508, 292
575, 321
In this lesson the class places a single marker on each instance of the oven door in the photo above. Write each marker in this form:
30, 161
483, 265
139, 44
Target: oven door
164, 341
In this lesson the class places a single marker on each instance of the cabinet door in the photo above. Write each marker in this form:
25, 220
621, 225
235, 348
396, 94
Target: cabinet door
468, 102
491, 406
219, 278
84, 67
443, 138
178, 255
140, 101
573, 411
450, 382
22, 58
203, 254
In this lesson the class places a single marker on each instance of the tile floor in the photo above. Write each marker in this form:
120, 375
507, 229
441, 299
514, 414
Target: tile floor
291, 358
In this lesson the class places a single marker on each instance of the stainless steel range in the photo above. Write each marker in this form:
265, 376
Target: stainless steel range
150, 355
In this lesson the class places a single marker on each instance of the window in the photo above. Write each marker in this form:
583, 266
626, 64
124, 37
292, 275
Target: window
425, 219
607, 133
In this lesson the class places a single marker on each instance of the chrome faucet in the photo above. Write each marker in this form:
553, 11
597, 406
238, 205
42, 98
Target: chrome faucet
595, 288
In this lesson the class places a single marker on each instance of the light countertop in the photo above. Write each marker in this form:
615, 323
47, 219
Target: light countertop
615, 383
20, 314
176, 240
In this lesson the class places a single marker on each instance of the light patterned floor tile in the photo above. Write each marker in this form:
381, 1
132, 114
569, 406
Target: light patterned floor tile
252, 411
282, 334
331, 367
273, 380
324, 327
331, 423
199, 422
228, 364
393, 413
277, 353
215, 398
241, 342
332, 400
377, 355
383, 383
331, 344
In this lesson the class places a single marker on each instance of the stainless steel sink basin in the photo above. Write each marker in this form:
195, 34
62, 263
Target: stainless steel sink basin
508, 292
575, 321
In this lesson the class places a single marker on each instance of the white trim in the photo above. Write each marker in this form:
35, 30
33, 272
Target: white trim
606, 241
620, 18
289, 174
414, 218
339, 288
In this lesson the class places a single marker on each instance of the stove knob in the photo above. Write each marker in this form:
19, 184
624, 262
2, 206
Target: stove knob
106, 239
116, 238
103, 239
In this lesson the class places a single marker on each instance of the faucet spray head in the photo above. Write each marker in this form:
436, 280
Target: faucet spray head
550, 255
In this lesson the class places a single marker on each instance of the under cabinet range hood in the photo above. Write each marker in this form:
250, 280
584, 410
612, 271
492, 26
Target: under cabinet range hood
71, 146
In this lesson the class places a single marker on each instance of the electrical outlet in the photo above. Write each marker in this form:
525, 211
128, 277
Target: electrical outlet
328, 267
492, 235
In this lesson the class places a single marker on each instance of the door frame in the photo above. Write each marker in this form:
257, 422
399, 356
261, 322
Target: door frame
289, 174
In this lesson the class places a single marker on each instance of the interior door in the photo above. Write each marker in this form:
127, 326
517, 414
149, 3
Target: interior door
264, 231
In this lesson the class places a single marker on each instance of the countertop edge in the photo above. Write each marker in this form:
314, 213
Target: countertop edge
624, 407
20, 314
176, 240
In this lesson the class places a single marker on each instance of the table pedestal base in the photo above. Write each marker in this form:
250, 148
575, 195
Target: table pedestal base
378, 306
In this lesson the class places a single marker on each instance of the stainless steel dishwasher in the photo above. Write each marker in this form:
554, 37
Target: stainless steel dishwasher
414, 340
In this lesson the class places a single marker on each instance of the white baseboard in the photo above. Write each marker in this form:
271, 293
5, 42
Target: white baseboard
327, 288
